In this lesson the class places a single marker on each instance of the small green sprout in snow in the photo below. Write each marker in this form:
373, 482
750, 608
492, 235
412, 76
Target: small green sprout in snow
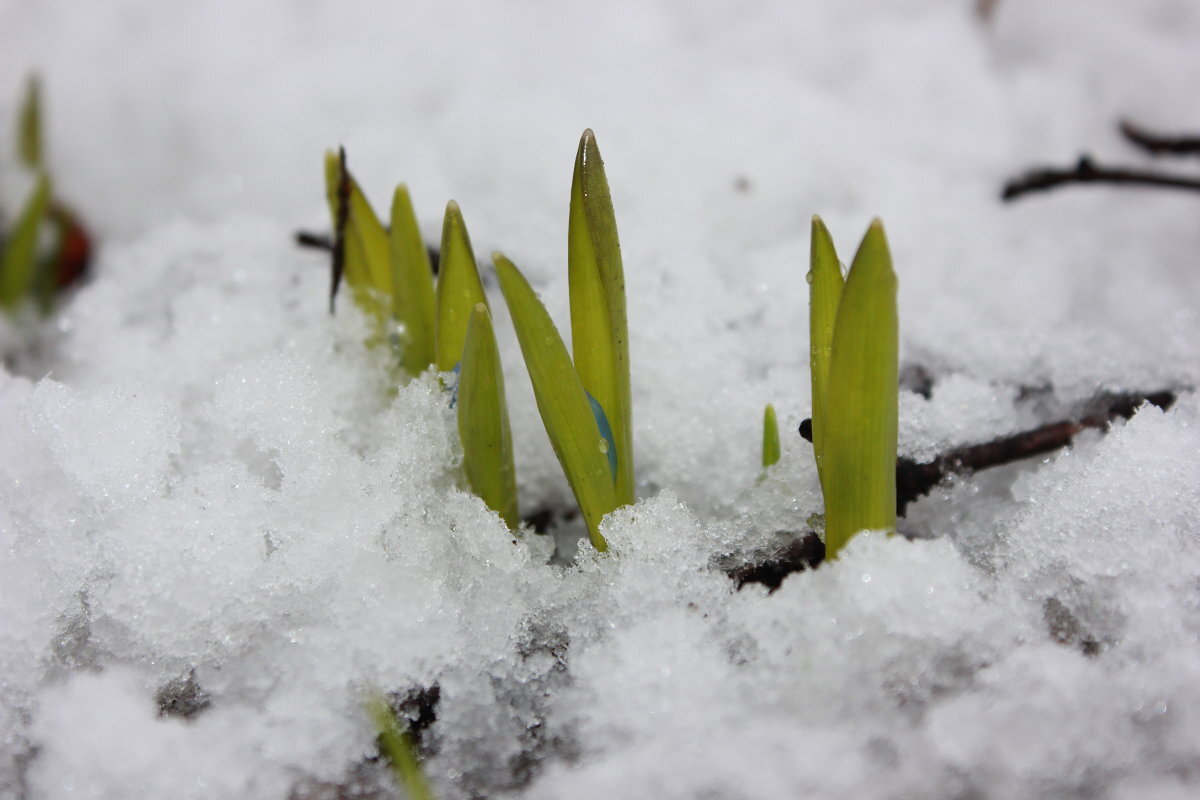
854, 339
770, 443
586, 404
29, 269
396, 745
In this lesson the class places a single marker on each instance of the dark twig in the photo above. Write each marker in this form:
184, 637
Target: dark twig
317, 241
914, 480
1087, 171
1157, 143
339, 228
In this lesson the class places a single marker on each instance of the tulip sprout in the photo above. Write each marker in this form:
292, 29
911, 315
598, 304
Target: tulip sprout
853, 358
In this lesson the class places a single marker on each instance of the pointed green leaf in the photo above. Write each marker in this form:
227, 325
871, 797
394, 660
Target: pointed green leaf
29, 128
861, 413
599, 331
561, 400
397, 746
370, 245
412, 278
825, 292
18, 265
770, 447
459, 289
483, 421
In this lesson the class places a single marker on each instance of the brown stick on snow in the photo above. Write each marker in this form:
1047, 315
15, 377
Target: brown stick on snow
1158, 143
1088, 171
914, 480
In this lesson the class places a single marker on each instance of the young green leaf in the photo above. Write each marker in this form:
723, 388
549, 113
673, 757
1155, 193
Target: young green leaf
483, 421
412, 279
599, 331
825, 292
459, 289
561, 400
369, 257
396, 745
770, 447
29, 127
859, 479
18, 265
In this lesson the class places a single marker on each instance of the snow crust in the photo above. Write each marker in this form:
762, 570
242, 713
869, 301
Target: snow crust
213, 499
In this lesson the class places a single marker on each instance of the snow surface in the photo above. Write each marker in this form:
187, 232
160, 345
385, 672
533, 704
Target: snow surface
205, 479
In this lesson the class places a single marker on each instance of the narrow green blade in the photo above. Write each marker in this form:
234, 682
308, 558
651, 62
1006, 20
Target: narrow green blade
483, 421
18, 265
825, 292
397, 746
561, 400
599, 331
770, 447
861, 414
373, 247
412, 279
459, 289
29, 128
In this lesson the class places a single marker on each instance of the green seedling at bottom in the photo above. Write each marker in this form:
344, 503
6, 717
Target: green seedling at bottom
854, 338
396, 745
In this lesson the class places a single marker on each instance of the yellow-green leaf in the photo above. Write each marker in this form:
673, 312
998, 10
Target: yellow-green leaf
18, 265
397, 746
29, 128
459, 289
825, 292
599, 331
859, 479
368, 242
561, 400
483, 421
770, 446
412, 278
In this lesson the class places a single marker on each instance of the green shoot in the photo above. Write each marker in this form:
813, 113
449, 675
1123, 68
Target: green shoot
396, 745
825, 292
459, 289
483, 421
856, 418
566, 410
29, 127
599, 332
19, 261
770, 446
413, 293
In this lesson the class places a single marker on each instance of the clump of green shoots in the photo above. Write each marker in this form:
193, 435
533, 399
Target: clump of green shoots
390, 277
584, 401
30, 271
854, 354
585, 404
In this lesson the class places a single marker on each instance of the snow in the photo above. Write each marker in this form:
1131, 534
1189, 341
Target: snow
206, 480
